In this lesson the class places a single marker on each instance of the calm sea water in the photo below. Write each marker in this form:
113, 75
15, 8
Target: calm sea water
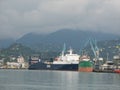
57, 80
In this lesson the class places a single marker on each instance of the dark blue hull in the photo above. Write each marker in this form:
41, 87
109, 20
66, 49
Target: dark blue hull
43, 66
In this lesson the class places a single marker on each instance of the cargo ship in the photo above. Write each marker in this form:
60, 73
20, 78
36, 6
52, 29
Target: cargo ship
85, 64
68, 61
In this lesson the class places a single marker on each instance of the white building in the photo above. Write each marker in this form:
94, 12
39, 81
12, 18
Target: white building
20, 59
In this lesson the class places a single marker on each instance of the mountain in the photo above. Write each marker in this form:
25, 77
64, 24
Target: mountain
54, 41
50, 45
4, 43
110, 47
107, 49
15, 50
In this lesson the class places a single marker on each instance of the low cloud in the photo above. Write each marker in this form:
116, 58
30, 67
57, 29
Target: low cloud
18, 17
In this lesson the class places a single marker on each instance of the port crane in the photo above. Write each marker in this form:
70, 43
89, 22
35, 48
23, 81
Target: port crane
97, 60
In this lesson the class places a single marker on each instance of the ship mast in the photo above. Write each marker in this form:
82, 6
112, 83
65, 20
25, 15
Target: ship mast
64, 48
70, 51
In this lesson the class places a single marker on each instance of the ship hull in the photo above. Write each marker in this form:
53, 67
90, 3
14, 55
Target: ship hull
43, 66
117, 70
85, 69
85, 66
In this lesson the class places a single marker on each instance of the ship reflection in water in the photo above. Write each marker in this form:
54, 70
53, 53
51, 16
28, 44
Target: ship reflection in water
57, 80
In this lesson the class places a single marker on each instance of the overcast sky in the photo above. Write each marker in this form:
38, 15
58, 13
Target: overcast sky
18, 17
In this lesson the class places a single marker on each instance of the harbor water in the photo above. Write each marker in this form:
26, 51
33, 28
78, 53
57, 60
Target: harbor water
57, 80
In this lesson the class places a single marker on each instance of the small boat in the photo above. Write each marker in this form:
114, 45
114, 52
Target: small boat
85, 64
117, 70
108, 65
117, 63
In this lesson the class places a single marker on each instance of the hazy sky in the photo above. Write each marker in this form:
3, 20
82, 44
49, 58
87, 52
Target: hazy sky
18, 17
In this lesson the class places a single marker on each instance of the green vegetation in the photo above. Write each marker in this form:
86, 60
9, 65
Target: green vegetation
109, 48
15, 50
11, 53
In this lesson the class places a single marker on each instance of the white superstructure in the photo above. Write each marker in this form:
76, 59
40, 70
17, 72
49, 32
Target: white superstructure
84, 58
68, 58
